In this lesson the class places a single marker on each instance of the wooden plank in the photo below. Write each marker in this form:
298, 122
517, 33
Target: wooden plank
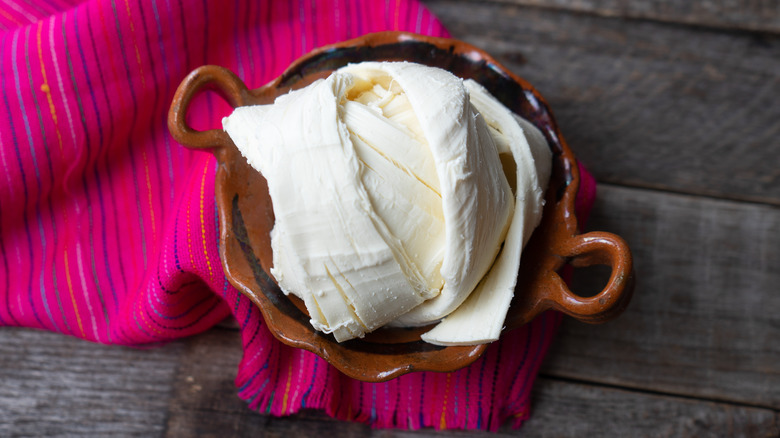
205, 404
577, 410
55, 385
644, 103
205, 401
703, 321
755, 15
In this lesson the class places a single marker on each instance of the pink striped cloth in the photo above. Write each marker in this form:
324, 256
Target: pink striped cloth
108, 228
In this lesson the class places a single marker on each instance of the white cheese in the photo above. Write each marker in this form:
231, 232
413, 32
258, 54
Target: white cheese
481, 318
390, 198
475, 196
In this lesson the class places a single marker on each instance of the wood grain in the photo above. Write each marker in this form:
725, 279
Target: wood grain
671, 118
642, 103
54, 385
581, 410
703, 321
204, 404
60, 386
756, 15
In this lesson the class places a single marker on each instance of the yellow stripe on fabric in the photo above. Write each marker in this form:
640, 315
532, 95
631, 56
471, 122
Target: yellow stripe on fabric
121, 97
72, 295
203, 221
189, 236
135, 46
52, 109
287, 388
142, 74
11, 18
149, 193
46, 89
146, 318
443, 422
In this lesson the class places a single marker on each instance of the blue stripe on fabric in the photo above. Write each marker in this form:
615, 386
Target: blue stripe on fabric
253, 377
191, 323
7, 290
156, 103
133, 121
163, 120
88, 147
311, 385
21, 165
105, 141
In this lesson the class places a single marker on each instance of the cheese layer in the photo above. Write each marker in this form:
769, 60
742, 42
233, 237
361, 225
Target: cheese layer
390, 196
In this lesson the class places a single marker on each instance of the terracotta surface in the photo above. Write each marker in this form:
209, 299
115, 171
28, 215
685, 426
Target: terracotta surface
246, 214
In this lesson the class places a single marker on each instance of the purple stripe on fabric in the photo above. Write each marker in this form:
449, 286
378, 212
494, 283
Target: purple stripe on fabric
7, 283
132, 124
163, 120
84, 182
140, 327
492, 398
407, 16
182, 314
158, 114
421, 406
176, 243
373, 404
99, 189
456, 393
239, 63
7, 289
249, 313
183, 21
105, 142
39, 12
360, 19
247, 42
418, 21
481, 399
311, 384
205, 30
529, 329
253, 377
21, 167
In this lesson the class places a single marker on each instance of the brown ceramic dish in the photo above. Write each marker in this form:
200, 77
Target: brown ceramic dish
246, 215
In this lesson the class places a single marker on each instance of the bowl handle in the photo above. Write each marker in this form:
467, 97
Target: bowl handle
212, 77
596, 248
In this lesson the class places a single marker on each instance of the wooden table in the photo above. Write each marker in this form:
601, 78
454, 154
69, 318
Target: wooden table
675, 107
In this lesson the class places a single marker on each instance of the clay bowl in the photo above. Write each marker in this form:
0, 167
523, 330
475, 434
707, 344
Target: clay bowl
246, 214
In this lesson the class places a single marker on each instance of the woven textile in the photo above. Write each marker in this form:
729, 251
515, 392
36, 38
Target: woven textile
108, 227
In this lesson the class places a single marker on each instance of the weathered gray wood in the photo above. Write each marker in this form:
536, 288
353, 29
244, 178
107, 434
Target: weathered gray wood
703, 321
579, 410
54, 385
757, 15
186, 388
643, 103
204, 403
